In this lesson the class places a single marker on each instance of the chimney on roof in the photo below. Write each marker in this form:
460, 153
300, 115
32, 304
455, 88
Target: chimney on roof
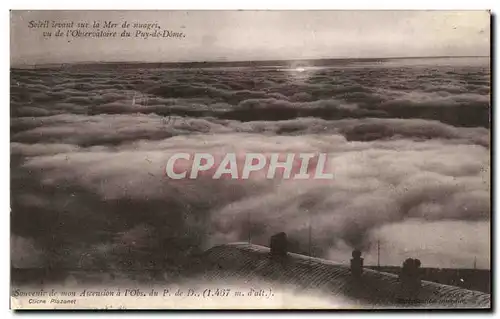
410, 280
278, 245
356, 264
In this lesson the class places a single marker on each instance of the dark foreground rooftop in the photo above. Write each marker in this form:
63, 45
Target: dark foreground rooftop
243, 261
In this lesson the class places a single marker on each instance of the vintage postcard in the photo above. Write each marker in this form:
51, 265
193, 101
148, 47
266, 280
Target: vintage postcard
250, 159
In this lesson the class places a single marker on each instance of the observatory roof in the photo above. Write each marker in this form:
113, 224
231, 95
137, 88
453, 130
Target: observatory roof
373, 289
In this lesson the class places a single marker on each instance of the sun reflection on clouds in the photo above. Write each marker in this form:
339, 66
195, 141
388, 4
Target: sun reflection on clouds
300, 71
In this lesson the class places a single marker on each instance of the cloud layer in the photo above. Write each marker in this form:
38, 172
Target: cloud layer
454, 94
88, 160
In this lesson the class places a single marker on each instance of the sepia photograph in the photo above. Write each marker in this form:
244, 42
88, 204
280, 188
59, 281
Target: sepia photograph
250, 159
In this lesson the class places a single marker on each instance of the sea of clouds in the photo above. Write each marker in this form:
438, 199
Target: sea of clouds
409, 148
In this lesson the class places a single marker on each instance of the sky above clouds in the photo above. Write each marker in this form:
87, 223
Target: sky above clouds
258, 35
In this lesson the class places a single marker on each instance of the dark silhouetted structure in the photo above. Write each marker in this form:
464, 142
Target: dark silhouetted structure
356, 264
279, 245
251, 264
410, 281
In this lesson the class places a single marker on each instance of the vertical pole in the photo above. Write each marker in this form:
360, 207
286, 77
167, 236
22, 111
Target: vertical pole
310, 234
310, 239
475, 260
378, 254
249, 231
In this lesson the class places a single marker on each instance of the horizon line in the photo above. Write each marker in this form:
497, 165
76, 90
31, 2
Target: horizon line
243, 61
